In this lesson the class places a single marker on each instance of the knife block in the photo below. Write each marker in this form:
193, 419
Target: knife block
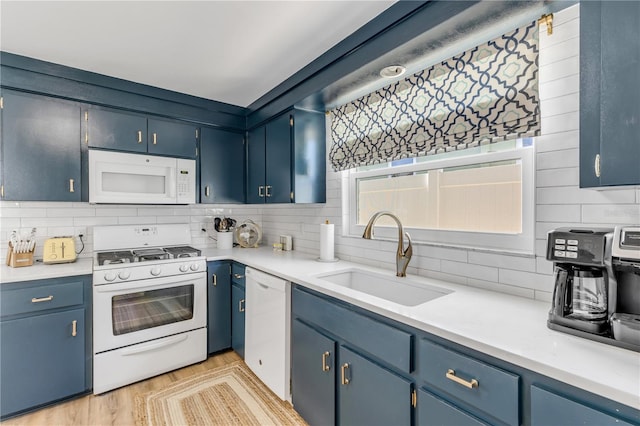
17, 260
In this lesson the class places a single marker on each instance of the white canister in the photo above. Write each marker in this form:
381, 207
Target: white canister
225, 240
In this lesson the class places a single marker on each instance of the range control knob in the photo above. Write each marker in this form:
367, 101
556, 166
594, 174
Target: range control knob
124, 275
110, 276
155, 271
184, 268
195, 267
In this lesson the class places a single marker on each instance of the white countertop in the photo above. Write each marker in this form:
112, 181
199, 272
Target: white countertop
507, 327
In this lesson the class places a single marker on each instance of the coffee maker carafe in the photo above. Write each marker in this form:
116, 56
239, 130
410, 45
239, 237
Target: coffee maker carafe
583, 280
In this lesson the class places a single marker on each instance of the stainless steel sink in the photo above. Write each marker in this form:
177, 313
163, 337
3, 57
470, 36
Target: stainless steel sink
402, 291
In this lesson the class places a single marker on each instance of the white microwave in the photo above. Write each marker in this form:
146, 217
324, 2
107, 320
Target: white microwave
123, 178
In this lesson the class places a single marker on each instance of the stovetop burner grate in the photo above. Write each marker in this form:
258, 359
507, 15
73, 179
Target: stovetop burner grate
145, 255
115, 257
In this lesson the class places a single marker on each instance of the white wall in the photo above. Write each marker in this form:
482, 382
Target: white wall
559, 201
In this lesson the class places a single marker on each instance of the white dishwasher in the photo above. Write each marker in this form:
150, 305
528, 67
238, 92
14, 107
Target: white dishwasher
267, 330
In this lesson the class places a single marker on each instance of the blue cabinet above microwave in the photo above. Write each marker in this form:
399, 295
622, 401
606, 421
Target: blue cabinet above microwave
126, 131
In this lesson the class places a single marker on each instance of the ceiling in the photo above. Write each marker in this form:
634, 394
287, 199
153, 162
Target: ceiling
228, 51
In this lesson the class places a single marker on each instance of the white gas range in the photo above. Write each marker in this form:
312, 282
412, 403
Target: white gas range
149, 303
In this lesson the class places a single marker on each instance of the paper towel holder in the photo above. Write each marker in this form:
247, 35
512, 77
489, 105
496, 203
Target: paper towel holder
321, 259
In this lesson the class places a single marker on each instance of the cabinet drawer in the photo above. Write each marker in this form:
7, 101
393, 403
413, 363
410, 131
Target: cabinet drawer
35, 299
496, 393
548, 408
389, 344
237, 274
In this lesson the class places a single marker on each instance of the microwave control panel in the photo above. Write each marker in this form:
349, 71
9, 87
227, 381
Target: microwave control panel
186, 181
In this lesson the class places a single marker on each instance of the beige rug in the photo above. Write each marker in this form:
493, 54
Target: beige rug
229, 395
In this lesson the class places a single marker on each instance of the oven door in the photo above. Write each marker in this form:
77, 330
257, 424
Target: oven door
134, 312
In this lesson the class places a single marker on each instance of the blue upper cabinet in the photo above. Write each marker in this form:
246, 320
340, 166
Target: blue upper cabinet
286, 159
172, 138
40, 148
222, 159
609, 93
132, 132
118, 130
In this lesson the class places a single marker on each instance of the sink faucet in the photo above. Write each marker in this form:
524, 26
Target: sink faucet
402, 256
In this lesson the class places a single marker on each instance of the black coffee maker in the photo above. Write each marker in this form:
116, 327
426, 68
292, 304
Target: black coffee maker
584, 281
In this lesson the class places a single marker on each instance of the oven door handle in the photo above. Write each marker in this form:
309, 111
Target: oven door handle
138, 349
158, 284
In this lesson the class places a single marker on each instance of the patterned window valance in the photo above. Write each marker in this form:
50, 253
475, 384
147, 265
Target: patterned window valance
484, 95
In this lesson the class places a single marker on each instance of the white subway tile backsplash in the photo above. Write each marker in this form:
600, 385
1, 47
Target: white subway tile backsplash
529, 280
560, 123
74, 212
560, 87
503, 261
560, 105
558, 213
574, 195
619, 214
501, 288
470, 270
560, 69
569, 176
558, 159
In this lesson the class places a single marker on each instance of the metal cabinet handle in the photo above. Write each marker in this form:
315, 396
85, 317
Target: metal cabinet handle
451, 375
139, 136
72, 185
343, 370
325, 367
238, 276
268, 190
42, 299
206, 191
596, 165
261, 191
74, 328
241, 305
214, 279
155, 138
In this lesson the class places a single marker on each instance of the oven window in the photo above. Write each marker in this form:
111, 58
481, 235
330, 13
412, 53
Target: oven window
146, 309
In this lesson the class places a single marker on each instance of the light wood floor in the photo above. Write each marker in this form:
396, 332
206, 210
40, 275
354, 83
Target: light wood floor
115, 407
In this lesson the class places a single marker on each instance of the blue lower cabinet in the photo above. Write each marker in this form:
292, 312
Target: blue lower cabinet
433, 411
218, 306
42, 359
45, 342
237, 319
369, 394
313, 377
548, 408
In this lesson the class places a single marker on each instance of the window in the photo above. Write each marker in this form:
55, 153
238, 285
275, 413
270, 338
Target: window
478, 197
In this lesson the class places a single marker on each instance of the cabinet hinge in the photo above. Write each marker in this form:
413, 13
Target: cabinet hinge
414, 398
291, 121
1, 102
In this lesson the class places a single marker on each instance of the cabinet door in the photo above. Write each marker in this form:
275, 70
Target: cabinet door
116, 130
369, 394
433, 411
256, 166
221, 166
172, 138
237, 319
219, 307
313, 374
40, 148
548, 408
41, 360
310, 159
609, 93
278, 160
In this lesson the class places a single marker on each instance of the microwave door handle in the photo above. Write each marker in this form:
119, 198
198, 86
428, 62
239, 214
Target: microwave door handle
173, 182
